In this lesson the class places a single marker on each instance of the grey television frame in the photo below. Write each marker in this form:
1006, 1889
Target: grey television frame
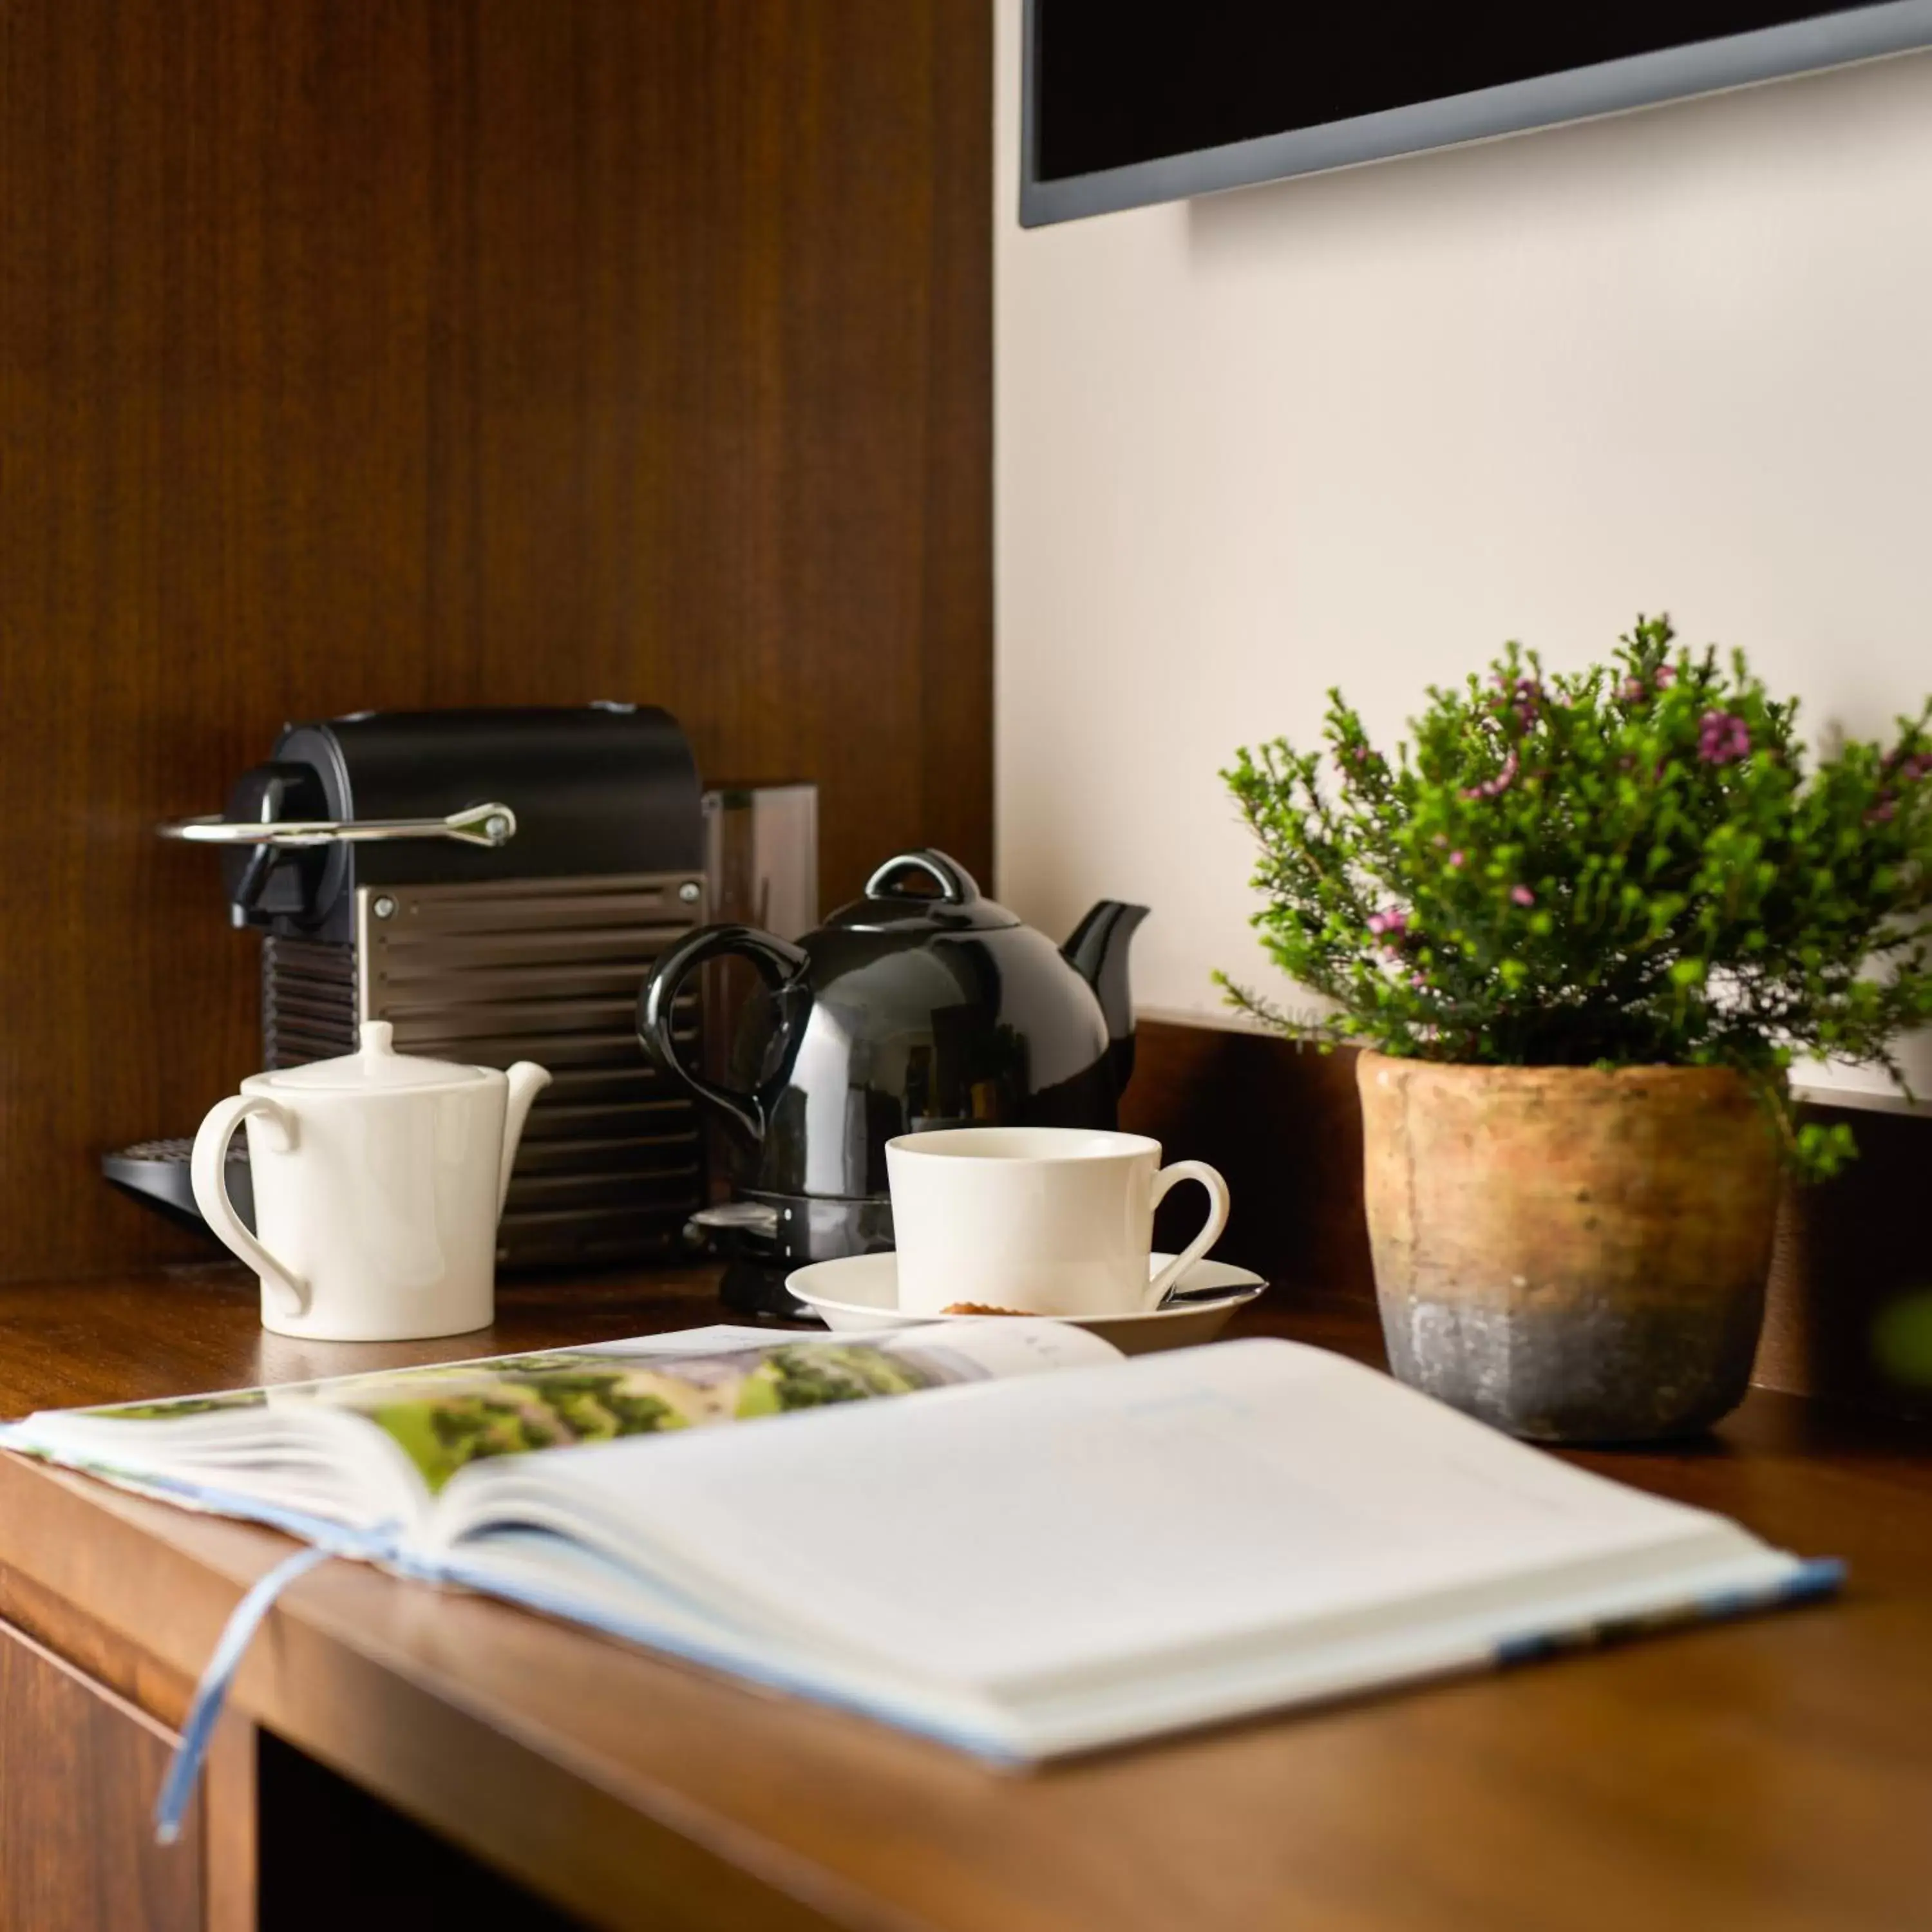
1609, 87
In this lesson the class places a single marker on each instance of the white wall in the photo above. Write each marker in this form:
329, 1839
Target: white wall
1363, 427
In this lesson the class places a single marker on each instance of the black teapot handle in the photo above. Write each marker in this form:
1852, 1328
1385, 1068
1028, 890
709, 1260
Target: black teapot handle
778, 962
957, 886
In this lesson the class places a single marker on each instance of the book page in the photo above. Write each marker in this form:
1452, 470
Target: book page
445, 1416
995, 1534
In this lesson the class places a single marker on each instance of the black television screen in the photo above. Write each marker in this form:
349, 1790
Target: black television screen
1129, 104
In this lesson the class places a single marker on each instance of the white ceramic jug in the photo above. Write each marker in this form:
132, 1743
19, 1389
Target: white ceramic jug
378, 1180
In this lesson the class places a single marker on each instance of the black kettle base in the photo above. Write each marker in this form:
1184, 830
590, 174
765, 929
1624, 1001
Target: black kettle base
754, 1291
806, 1228
762, 1236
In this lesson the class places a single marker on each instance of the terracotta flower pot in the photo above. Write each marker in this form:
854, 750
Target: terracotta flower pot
1574, 1255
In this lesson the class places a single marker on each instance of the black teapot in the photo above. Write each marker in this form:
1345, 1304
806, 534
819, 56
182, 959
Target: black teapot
907, 1009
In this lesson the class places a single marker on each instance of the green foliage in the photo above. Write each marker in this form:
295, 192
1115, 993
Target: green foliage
1902, 1339
1630, 866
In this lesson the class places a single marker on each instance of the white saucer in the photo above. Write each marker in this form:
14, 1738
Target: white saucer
862, 1291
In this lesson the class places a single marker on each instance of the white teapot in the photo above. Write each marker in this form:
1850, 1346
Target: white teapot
379, 1180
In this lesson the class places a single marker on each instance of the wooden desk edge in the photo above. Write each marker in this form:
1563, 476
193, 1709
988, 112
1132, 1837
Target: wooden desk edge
367, 1676
118, 1565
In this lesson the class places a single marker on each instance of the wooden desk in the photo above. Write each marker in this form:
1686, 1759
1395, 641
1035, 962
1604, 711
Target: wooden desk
1775, 1774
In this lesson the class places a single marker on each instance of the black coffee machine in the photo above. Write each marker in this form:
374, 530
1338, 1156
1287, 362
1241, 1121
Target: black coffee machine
494, 884
923, 1004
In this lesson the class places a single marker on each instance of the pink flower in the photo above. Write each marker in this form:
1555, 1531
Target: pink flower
1524, 696
1633, 688
1420, 985
1455, 858
1722, 738
1523, 895
1495, 787
1390, 926
1665, 677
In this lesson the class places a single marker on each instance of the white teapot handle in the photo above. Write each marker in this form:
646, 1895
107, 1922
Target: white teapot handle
207, 1171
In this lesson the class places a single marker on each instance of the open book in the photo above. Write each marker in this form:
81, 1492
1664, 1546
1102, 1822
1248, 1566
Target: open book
1045, 1548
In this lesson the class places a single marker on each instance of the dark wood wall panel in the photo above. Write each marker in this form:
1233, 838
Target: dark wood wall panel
395, 352
1849, 1315
1283, 1125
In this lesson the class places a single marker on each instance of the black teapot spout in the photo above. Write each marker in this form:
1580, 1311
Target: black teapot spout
1098, 952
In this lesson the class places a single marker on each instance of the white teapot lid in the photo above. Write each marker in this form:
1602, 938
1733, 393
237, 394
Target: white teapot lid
377, 1065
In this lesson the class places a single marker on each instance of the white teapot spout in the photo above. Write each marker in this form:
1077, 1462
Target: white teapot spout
527, 1080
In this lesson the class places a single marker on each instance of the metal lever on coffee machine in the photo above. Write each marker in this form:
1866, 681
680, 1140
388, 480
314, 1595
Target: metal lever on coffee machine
490, 825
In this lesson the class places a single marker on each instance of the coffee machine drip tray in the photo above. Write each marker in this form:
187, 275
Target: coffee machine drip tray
155, 1173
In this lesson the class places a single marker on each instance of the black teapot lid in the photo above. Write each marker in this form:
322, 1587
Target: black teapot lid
958, 906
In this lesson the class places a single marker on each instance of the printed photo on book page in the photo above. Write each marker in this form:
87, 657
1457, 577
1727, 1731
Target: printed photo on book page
447, 1416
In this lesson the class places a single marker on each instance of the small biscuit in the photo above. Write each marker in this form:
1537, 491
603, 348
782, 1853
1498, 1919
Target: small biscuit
978, 1308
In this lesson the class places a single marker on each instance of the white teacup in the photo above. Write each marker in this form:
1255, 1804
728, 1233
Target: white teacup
1040, 1220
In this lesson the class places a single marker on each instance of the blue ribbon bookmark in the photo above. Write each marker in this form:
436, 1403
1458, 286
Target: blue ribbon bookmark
178, 1788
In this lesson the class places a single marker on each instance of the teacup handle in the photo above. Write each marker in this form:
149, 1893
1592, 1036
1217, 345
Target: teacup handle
207, 1171
1217, 1219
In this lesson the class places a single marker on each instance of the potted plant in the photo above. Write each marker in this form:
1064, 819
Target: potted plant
1581, 924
